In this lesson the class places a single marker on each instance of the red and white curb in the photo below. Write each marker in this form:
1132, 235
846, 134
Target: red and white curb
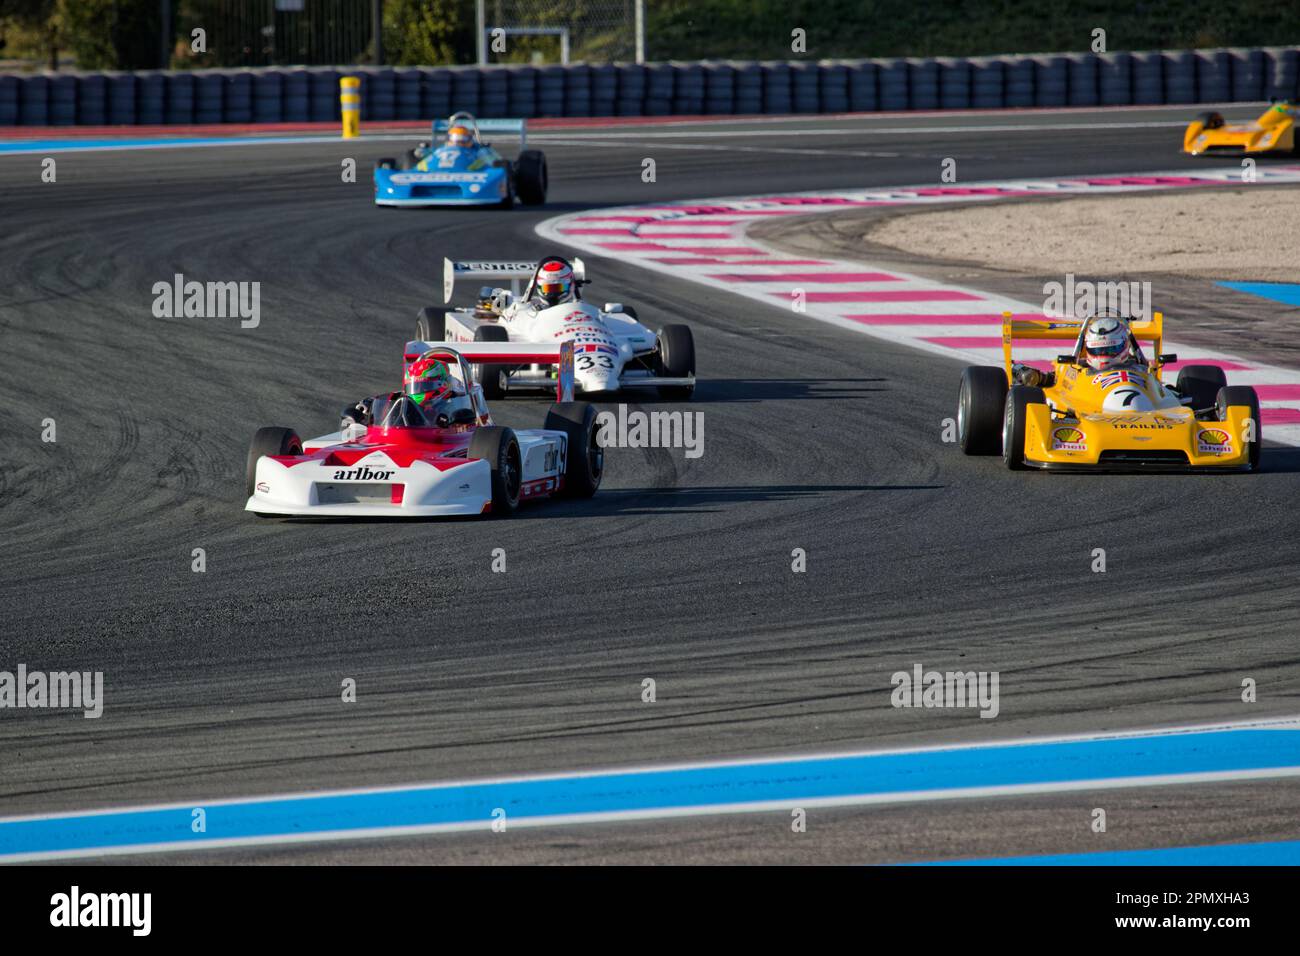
707, 241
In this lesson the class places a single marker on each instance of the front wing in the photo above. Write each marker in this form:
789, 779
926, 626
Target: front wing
376, 486
409, 187
540, 375
1137, 443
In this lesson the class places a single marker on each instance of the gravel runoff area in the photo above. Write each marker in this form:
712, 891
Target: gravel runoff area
1244, 233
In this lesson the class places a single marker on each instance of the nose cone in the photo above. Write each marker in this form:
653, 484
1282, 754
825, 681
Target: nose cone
598, 380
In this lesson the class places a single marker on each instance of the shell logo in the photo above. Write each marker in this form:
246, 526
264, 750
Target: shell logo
1214, 441
1068, 439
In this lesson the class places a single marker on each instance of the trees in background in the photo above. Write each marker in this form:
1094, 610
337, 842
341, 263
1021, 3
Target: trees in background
124, 34
428, 32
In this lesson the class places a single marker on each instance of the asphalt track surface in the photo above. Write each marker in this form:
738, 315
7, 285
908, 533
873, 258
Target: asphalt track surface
226, 683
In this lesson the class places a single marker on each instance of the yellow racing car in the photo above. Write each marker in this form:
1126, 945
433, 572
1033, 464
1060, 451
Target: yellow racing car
1117, 419
1274, 132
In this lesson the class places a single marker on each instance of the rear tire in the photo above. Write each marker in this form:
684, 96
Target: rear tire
492, 377
1019, 397
531, 179
1202, 384
981, 403
500, 449
584, 462
675, 358
1242, 395
269, 441
426, 322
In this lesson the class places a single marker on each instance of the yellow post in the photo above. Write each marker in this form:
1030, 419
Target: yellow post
350, 105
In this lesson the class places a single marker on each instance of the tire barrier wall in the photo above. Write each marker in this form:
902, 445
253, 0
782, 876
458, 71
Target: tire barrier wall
299, 94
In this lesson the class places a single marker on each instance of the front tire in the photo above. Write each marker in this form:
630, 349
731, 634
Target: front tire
531, 178
1019, 398
1202, 384
981, 402
269, 441
676, 359
584, 461
492, 377
500, 449
1242, 395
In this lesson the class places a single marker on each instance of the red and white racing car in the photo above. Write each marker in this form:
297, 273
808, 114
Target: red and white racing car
401, 455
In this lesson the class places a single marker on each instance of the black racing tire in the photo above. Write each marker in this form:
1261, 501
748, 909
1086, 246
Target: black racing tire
981, 403
1201, 383
1019, 397
531, 178
271, 440
1242, 395
584, 463
492, 377
427, 321
500, 449
1210, 120
675, 358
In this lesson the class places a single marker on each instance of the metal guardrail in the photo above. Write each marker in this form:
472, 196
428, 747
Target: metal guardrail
308, 94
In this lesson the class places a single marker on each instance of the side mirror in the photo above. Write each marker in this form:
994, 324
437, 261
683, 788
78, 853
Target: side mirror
1167, 358
463, 416
1065, 359
613, 307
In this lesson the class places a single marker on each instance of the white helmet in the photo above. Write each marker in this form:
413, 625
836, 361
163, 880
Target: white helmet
555, 281
1106, 343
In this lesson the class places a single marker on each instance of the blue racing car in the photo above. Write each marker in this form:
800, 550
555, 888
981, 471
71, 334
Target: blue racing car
463, 171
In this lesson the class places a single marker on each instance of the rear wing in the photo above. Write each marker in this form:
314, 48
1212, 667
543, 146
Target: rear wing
1151, 330
559, 354
513, 270
510, 126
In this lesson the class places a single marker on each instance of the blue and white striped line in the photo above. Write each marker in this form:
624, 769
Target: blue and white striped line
1207, 754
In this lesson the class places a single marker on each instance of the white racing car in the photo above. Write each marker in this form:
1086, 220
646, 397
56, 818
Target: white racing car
612, 349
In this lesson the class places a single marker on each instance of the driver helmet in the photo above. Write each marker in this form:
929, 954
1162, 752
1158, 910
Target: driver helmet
460, 136
428, 380
1106, 343
555, 282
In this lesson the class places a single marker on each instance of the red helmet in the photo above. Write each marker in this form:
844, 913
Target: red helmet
429, 380
555, 282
